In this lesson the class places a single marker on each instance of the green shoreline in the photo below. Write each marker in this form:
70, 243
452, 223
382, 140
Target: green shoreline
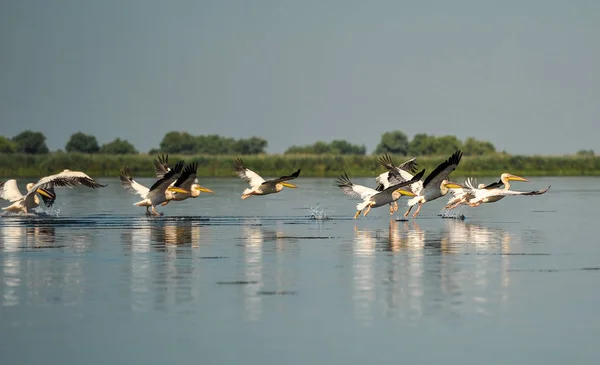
97, 165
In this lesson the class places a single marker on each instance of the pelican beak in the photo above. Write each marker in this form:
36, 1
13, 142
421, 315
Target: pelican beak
203, 189
288, 185
451, 185
45, 193
405, 192
517, 178
177, 190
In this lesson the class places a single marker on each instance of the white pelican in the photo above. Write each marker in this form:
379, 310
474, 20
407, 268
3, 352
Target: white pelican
188, 182
435, 185
258, 185
395, 174
373, 198
159, 193
465, 193
45, 187
476, 197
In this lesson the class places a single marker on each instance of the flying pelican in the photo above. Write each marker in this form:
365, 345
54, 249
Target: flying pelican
476, 197
45, 187
258, 185
465, 193
373, 198
435, 185
159, 193
188, 182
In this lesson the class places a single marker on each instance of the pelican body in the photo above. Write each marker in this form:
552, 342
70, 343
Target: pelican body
371, 198
161, 192
260, 186
45, 187
435, 185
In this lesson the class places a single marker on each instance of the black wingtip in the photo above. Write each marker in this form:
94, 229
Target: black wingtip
418, 176
297, 173
343, 180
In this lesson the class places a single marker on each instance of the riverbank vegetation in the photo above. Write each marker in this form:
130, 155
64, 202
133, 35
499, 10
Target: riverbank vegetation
26, 155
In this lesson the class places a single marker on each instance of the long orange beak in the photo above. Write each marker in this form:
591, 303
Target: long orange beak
516, 178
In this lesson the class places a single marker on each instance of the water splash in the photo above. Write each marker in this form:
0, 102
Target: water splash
317, 212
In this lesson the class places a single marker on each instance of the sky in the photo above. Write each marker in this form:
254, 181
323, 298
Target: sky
521, 74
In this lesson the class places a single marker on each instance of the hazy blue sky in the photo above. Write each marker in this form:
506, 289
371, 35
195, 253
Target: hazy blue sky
522, 74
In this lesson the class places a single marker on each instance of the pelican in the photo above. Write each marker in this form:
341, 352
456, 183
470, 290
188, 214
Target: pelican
476, 197
159, 193
258, 185
435, 185
188, 182
45, 187
465, 193
395, 174
373, 198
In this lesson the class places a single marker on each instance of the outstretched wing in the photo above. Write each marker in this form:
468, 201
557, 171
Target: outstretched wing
284, 178
130, 184
162, 184
246, 174
357, 191
67, 178
512, 192
187, 177
161, 165
395, 174
402, 184
9, 190
443, 170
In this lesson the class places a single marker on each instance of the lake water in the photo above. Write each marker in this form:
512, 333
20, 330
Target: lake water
291, 278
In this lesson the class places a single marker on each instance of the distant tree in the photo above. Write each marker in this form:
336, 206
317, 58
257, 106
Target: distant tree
81, 142
31, 142
213, 144
394, 142
588, 153
474, 147
7, 146
118, 147
342, 147
446, 145
422, 145
250, 146
179, 142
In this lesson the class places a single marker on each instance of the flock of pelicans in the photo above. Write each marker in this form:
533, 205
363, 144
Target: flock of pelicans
179, 182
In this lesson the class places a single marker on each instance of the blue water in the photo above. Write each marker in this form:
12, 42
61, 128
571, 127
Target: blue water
291, 278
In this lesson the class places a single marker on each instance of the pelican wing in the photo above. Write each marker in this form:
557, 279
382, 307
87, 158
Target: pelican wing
67, 178
161, 165
395, 174
494, 185
284, 178
402, 184
9, 190
504, 192
130, 184
246, 174
187, 177
161, 185
443, 170
357, 191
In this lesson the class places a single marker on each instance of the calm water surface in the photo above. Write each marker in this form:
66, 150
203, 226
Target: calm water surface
291, 278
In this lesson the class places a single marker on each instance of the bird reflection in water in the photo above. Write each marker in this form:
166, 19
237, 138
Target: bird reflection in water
162, 282
428, 271
264, 265
17, 238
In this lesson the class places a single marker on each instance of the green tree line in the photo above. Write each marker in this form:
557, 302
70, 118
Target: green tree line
174, 142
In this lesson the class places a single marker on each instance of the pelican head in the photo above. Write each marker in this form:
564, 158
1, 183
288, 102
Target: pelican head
283, 184
446, 185
197, 189
510, 177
